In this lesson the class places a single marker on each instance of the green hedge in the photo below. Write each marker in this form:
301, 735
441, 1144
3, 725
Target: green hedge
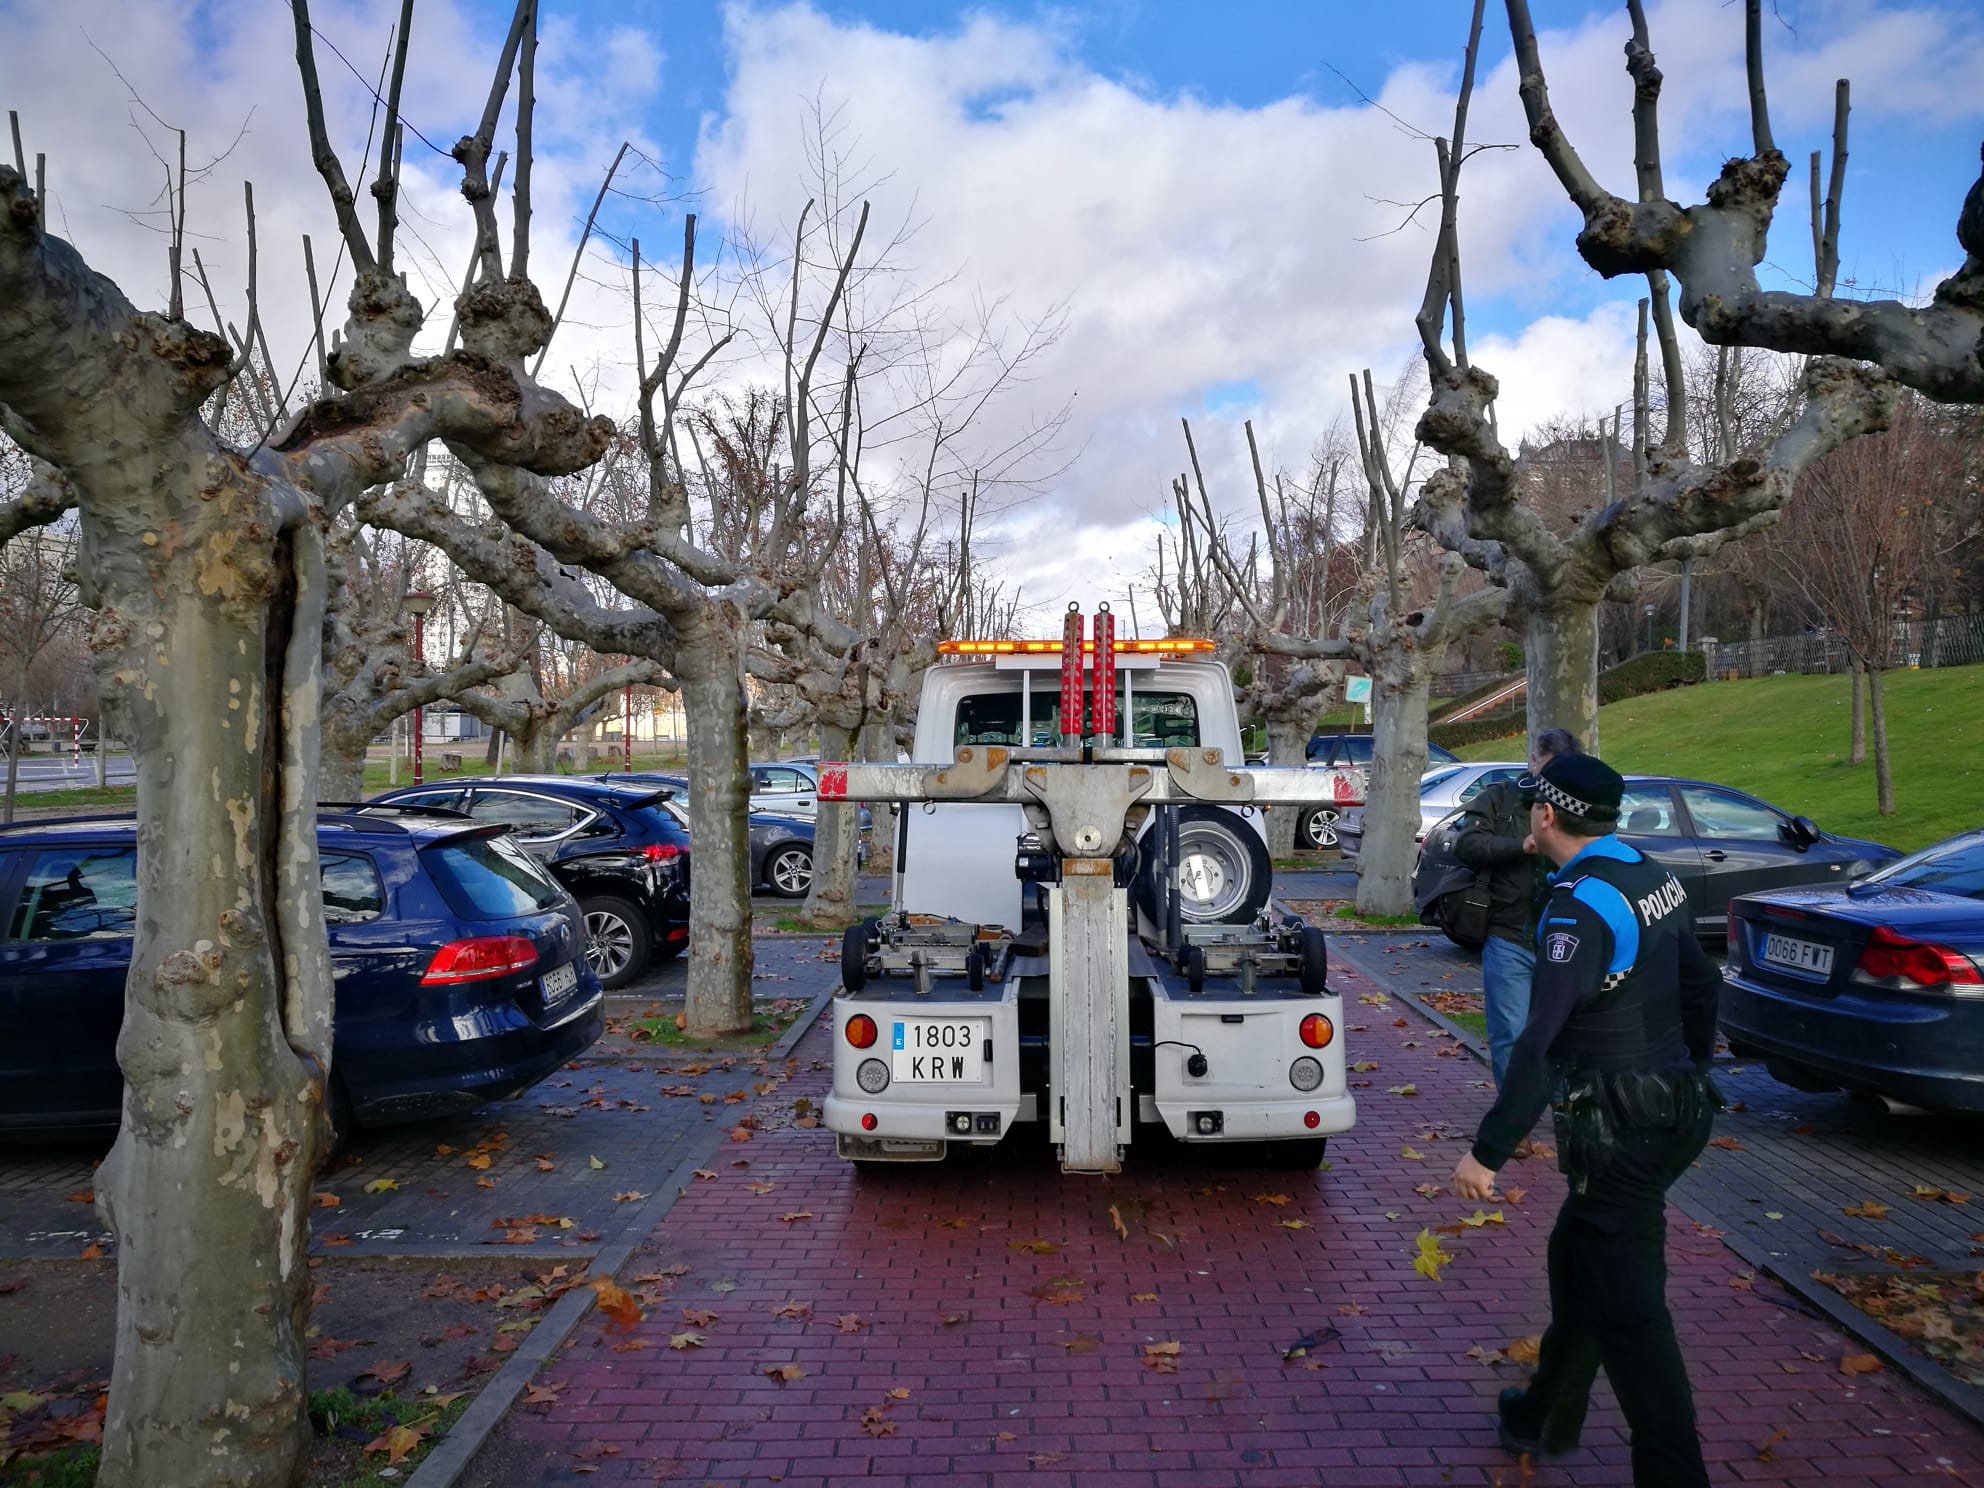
1655, 671
1476, 730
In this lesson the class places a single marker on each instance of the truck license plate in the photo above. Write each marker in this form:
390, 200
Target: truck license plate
557, 982
943, 1051
1800, 955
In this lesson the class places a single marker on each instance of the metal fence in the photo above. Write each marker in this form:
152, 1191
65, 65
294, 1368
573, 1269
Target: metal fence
1459, 684
1953, 641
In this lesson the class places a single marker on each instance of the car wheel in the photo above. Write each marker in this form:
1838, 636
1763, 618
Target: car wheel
789, 871
1226, 867
618, 945
1318, 829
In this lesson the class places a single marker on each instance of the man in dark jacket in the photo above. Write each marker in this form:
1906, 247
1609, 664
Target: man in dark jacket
1621, 1028
1494, 841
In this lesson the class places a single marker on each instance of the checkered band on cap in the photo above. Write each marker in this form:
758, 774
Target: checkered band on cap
1555, 795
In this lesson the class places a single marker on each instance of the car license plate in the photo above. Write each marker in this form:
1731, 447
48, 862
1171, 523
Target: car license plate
1800, 955
558, 982
939, 1051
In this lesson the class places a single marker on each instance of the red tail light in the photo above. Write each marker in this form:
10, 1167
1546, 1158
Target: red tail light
480, 958
861, 1031
1916, 963
660, 852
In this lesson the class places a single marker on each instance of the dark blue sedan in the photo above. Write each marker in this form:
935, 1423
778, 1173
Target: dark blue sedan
1877, 986
459, 966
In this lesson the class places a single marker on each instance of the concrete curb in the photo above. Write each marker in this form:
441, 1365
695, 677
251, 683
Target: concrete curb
1890, 1347
445, 1465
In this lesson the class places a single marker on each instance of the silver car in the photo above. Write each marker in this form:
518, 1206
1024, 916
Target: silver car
792, 788
1444, 789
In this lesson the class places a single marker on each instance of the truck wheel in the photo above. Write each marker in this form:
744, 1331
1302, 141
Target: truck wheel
1314, 971
1195, 968
854, 955
1228, 873
974, 966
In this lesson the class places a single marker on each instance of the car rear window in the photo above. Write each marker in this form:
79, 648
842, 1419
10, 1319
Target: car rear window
78, 893
491, 878
1947, 868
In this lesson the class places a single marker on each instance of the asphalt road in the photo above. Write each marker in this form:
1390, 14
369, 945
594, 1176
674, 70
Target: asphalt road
51, 772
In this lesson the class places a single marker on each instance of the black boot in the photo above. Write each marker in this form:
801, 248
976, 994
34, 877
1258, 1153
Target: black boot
1522, 1429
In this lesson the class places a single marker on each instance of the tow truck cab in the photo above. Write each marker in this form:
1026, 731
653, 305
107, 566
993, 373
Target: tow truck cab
953, 1004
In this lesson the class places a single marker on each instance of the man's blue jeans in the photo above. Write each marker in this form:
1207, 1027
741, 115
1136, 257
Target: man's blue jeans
1505, 972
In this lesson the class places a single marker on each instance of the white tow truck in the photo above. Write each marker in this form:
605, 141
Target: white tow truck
1081, 930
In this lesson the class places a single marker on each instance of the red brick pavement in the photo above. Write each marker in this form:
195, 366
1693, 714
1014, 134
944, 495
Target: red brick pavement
984, 1362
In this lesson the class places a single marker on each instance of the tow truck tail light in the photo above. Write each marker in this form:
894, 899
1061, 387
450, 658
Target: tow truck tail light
480, 958
861, 1031
1889, 958
1317, 1031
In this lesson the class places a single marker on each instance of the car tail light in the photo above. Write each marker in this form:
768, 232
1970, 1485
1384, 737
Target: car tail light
482, 957
661, 852
861, 1031
1891, 959
1317, 1031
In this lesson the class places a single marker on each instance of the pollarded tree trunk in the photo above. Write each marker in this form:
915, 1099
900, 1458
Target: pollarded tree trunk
227, 1029
1401, 681
878, 746
1877, 706
1288, 744
1756, 613
720, 957
836, 831
1560, 656
343, 774
536, 748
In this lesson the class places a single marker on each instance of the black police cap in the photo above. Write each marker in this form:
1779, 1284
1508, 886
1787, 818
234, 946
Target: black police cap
1580, 784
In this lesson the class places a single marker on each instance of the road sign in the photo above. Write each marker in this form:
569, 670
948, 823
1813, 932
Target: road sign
1357, 690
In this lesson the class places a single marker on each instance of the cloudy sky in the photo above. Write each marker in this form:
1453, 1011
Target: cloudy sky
1197, 197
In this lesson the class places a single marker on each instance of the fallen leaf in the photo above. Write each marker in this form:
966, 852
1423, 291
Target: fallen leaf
1162, 1357
1868, 1210
698, 1317
546, 1165
1525, 1350
873, 1423
1401, 1090
1855, 1364
318, 1200
742, 1133
1427, 1190
792, 1308
617, 1303
784, 1372
955, 1222
1477, 1219
1268, 1198
1728, 1144
900, 1392
761, 1188
1431, 1257
848, 1322
1143, 1296
796, 1214
1036, 1247
594, 1163
1295, 1224
542, 1394
386, 1371
1365, 1066
397, 1442
383, 1185
628, 1197
1116, 1219
1764, 1452
1412, 1154
488, 1182
1043, 1459
685, 1340
479, 1160
1515, 1195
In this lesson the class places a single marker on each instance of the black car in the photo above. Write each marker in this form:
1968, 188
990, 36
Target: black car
1877, 986
459, 978
1719, 842
781, 844
624, 858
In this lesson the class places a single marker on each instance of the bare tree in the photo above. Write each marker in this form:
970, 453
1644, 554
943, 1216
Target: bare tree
536, 722
205, 565
1858, 551
1675, 508
1713, 248
38, 599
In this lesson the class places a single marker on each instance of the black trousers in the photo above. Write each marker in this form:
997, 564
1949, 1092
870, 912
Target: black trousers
1608, 1307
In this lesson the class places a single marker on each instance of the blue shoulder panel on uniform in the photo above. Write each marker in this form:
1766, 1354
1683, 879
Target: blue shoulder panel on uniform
1610, 906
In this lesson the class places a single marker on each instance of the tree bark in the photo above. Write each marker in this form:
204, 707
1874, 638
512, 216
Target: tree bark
1560, 657
1877, 706
1858, 753
719, 956
836, 833
878, 746
1288, 744
1400, 685
14, 744
1755, 607
226, 1041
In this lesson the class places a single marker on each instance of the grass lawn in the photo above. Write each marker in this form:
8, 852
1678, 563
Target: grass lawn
1786, 739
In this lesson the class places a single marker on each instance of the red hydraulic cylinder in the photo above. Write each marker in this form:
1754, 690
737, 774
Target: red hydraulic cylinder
1071, 675
1103, 690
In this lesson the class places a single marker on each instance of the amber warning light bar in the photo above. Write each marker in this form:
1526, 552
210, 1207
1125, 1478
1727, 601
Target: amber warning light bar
1170, 646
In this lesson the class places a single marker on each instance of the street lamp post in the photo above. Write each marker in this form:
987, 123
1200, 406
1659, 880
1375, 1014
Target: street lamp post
417, 605
1649, 637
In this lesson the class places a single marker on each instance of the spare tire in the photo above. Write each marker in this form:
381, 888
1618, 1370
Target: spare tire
1228, 875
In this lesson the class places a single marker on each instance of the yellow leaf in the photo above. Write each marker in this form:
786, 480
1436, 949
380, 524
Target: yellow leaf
1267, 1198
1869, 1210
479, 1160
1431, 1257
593, 1162
1116, 1219
1401, 1090
1295, 1224
685, 1340
1365, 1066
1412, 1154
1143, 1296
1477, 1219
382, 1185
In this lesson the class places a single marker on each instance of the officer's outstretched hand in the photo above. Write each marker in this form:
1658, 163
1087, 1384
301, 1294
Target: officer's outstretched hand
1472, 1181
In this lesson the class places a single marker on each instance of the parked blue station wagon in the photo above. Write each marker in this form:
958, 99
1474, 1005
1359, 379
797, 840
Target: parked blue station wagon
459, 962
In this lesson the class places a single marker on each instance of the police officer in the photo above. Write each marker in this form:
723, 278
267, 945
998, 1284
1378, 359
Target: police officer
1621, 1027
